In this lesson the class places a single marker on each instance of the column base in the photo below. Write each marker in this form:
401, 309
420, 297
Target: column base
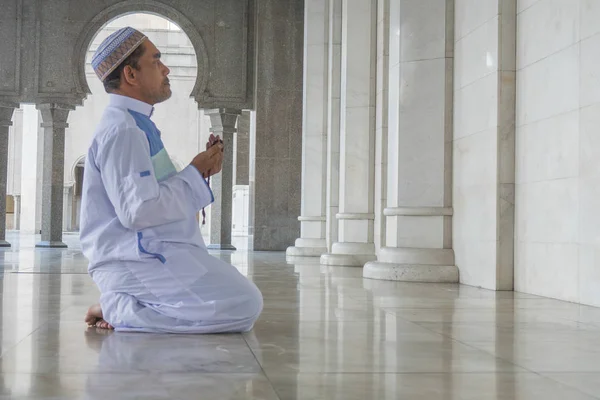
4, 243
220, 247
417, 256
413, 265
307, 248
411, 272
305, 251
349, 254
51, 245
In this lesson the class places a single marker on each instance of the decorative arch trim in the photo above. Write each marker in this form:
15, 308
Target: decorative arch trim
138, 6
79, 161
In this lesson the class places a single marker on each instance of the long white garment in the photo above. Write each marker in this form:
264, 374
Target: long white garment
139, 232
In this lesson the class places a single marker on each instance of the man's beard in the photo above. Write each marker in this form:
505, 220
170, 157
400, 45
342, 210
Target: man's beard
164, 94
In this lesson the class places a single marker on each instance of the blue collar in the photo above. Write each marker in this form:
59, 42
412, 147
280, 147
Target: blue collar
128, 103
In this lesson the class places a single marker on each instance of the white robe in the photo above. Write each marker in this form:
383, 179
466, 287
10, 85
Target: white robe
140, 234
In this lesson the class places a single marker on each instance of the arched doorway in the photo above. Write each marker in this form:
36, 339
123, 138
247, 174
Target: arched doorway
184, 127
136, 15
77, 193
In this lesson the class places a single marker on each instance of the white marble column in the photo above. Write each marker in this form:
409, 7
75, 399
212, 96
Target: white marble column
419, 163
241, 170
54, 122
314, 133
381, 120
39, 182
29, 169
334, 81
17, 214
356, 216
6, 113
68, 207
241, 148
223, 124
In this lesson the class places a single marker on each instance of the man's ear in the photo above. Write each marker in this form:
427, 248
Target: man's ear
129, 74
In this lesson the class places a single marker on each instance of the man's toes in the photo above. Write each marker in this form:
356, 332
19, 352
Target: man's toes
102, 324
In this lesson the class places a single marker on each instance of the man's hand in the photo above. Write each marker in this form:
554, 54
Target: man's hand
209, 162
212, 140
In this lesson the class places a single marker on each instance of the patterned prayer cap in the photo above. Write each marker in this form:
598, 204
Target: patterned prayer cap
115, 49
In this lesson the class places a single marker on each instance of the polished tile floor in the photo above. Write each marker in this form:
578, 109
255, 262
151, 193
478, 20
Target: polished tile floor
325, 333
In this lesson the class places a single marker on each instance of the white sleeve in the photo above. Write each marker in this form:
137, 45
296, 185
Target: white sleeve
140, 201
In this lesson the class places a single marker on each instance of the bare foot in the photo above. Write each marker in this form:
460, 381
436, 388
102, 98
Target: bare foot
95, 318
102, 324
94, 313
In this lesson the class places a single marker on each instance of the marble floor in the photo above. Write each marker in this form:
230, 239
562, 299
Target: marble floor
326, 333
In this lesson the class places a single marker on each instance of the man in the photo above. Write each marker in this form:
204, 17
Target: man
138, 220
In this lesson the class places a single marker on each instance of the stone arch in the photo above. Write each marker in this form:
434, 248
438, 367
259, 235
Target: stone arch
80, 161
138, 6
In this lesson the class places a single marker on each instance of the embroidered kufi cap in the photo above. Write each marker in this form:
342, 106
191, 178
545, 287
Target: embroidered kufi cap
115, 49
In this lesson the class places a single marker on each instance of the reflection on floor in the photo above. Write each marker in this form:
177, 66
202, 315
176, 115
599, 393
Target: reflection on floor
325, 333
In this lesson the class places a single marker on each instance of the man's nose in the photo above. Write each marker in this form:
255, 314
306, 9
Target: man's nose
167, 70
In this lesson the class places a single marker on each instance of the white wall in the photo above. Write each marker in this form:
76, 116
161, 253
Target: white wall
483, 145
558, 150
475, 145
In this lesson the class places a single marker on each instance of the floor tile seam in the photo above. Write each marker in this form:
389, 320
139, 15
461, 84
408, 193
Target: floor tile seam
541, 374
520, 325
12, 348
465, 343
569, 372
132, 374
517, 325
529, 370
482, 350
462, 371
411, 373
477, 308
320, 373
423, 325
264, 372
408, 373
405, 340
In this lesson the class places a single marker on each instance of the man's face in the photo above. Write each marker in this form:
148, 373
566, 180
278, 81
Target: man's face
153, 80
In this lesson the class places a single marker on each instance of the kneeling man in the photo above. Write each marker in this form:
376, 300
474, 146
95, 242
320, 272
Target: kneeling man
138, 216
